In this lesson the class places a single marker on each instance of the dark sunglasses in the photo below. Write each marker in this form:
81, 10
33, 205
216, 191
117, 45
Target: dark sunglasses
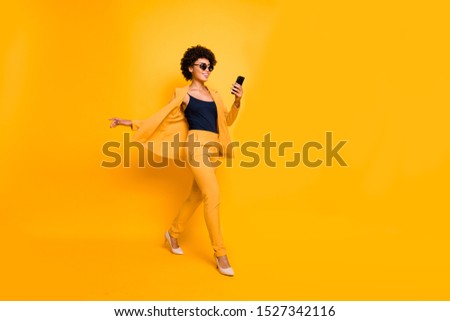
203, 66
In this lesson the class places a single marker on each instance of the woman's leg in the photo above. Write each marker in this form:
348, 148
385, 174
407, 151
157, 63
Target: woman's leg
205, 177
204, 187
186, 211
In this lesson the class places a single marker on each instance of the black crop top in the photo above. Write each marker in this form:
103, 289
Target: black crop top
201, 114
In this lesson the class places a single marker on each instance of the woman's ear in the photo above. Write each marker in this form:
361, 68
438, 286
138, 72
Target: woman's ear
190, 69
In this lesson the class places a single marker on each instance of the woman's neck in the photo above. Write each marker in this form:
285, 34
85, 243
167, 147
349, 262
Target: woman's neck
198, 85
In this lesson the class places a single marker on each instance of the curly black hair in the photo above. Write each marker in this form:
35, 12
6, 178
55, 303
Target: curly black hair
190, 57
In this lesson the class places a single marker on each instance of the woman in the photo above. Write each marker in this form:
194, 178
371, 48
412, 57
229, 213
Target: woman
196, 112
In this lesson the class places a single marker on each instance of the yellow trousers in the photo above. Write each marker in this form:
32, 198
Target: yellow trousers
204, 188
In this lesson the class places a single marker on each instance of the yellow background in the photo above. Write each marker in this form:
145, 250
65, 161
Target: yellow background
374, 73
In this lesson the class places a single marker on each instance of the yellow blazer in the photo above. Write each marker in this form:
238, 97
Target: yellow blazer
169, 121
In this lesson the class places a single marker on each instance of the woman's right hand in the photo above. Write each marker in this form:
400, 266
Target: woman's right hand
115, 121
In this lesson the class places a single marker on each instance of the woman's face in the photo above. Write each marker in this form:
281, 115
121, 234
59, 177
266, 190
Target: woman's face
197, 72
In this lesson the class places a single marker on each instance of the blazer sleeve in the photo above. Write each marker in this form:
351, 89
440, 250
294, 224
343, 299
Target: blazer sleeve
231, 114
137, 123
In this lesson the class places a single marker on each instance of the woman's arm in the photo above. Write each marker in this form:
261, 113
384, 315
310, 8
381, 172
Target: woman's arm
135, 124
115, 121
232, 114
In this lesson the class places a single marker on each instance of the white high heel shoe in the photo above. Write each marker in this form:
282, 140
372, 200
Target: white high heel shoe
225, 271
178, 250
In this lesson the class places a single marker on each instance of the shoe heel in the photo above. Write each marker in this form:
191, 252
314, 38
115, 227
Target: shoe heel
178, 250
225, 271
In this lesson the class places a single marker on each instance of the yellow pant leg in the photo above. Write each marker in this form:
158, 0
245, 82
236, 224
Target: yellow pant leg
206, 188
186, 211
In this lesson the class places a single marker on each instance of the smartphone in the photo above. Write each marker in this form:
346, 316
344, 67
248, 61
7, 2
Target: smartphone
240, 80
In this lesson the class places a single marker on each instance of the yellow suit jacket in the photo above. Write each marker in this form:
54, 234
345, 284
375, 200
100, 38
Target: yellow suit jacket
170, 121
